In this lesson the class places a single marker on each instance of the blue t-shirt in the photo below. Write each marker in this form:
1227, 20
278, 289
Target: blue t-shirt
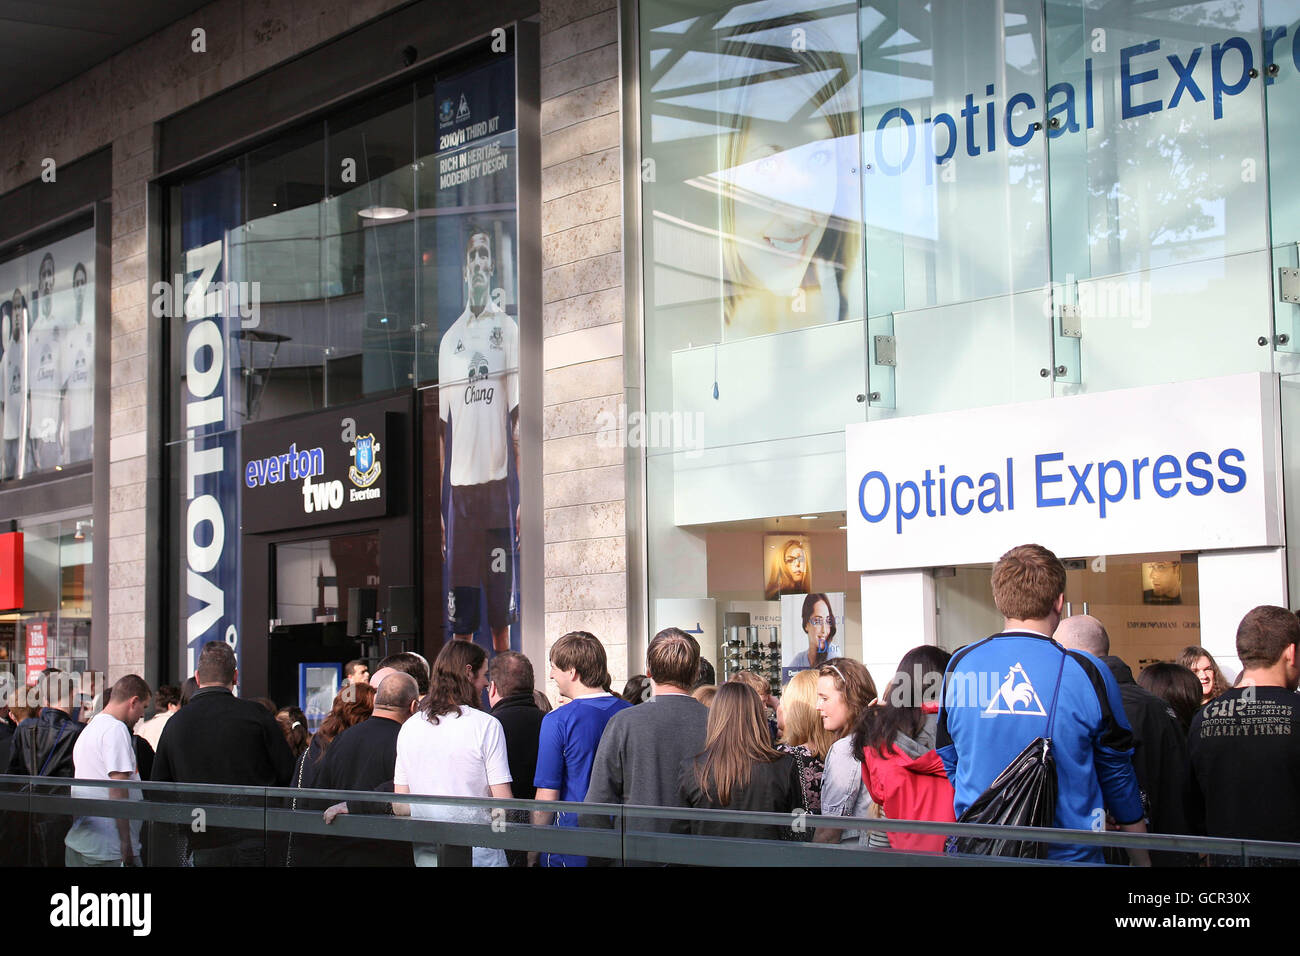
997, 696
565, 751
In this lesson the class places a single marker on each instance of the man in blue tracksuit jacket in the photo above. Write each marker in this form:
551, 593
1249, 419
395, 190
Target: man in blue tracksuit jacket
998, 696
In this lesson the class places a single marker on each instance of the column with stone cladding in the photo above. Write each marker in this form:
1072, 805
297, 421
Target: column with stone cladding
582, 227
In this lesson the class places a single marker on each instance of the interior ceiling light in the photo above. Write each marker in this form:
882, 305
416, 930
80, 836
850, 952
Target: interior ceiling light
382, 212
808, 517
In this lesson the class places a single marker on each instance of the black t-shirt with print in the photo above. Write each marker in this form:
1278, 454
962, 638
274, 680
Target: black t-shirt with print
1245, 765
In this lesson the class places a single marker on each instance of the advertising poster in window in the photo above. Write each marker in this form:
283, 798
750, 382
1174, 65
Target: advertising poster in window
47, 357
206, 321
478, 355
811, 630
787, 565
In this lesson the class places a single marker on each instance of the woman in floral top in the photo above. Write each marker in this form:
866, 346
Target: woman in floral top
803, 737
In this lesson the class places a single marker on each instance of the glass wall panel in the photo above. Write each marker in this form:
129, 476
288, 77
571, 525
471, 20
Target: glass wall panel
1159, 191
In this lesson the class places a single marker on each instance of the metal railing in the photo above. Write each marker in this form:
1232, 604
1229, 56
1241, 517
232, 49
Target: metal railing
621, 835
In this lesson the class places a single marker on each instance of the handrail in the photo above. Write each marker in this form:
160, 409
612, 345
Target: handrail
632, 833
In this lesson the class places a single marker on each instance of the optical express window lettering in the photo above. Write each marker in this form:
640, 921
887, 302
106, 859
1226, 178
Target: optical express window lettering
849, 222
356, 257
47, 362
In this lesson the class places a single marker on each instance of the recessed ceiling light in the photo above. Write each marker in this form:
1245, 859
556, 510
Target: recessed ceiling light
808, 517
382, 212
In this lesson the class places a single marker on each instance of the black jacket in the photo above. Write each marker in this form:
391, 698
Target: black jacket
1160, 757
521, 719
218, 738
42, 745
362, 758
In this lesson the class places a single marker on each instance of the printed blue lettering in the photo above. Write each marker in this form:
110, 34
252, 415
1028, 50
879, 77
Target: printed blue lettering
1105, 496
1216, 71
1014, 138
901, 515
1195, 458
896, 113
994, 491
1166, 468
862, 492
1080, 484
1127, 81
1185, 80
970, 502
1041, 479
1232, 470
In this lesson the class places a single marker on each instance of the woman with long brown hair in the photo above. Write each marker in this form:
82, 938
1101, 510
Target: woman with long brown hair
738, 769
352, 704
844, 690
453, 748
1201, 663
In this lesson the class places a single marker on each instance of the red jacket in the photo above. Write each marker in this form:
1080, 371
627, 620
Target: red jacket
910, 788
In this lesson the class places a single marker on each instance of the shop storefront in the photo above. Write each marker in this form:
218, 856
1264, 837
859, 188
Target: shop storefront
343, 316
963, 235
54, 410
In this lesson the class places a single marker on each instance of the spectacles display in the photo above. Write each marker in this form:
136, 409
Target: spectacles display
756, 649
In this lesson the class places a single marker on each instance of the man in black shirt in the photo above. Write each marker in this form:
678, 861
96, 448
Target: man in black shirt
1160, 749
219, 739
362, 758
1245, 744
510, 692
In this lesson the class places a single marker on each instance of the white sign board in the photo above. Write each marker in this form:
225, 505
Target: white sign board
1187, 467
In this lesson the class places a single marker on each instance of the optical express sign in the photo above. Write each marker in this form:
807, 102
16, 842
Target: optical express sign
315, 469
1187, 467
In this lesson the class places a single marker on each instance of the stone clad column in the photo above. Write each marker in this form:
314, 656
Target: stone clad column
582, 315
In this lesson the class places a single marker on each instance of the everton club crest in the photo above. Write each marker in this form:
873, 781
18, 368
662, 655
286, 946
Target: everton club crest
365, 466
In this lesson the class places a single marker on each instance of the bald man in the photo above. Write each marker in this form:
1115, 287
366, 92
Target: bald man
362, 758
1160, 757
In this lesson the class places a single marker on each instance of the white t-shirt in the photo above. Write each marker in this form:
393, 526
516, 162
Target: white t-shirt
104, 747
78, 373
478, 381
14, 382
460, 756
151, 729
44, 382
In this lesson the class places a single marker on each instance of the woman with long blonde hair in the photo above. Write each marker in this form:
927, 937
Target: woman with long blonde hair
738, 769
803, 736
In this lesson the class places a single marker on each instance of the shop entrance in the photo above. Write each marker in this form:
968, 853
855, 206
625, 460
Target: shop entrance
1148, 603
309, 639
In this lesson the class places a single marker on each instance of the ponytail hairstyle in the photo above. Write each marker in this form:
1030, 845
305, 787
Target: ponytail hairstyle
919, 681
450, 685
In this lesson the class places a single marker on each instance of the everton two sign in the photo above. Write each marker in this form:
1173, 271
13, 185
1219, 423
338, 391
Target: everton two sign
315, 469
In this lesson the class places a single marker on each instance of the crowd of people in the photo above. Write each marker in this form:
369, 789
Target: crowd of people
1179, 750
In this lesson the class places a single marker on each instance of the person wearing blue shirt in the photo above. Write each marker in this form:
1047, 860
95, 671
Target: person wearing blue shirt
571, 734
998, 696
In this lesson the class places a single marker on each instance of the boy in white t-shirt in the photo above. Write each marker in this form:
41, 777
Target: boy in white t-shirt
105, 750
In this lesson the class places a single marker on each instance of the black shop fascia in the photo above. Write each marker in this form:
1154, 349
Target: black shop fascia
326, 510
